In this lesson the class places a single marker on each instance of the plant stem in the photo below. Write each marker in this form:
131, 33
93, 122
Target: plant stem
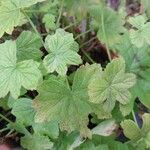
134, 117
87, 42
87, 56
6, 119
103, 28
83, 34
60, 13
33, 26
4, 129
34, 11
70, 25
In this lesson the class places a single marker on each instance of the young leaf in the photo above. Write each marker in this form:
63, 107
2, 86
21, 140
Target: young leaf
49, 20
28, 46
24, 111
62, 52
16, 75
11, 15
131, 130
112, 86
109, 23
141, 35
36, 142
69, 107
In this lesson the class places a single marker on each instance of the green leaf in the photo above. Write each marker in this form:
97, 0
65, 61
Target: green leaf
36, 142
146, 124
109, 23
49, 20
47, 128
141, 35
126, 109
68, 106
3, 103
62, 52
11, 15
16, 75
28, 46
105, 128
137, 62
146, 6
131, 130
24, 111
112, 86
147, 140
27, 3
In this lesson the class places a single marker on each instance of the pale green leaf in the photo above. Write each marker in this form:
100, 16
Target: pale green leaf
10, 17
28, 46
112, 86
141, 35
16, 75
26, 3
146, 124
137, 62
11, 14
70, 107
131, 130
126, 109
36, 142
49, 21
147, 140
47, 128
146, 6
105, 128
61, 52
24, 111
109, 23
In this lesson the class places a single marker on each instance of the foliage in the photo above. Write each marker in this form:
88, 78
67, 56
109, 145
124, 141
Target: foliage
54, 94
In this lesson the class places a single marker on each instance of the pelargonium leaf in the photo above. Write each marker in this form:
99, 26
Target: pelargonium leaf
62, 52
28, 46
137, 62
24, 111
109, 23
112, 86
36, 142
11, 15
140, 36
131, 130
15, 75
68, 106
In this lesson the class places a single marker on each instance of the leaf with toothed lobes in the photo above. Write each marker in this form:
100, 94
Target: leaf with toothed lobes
108, 22
36, 142
11, 15
141, 34
137, 62
28, 46
13, 74
131, 130
62, 50
69, 106
112, 85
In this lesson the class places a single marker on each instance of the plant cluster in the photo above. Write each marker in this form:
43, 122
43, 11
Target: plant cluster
53, 93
